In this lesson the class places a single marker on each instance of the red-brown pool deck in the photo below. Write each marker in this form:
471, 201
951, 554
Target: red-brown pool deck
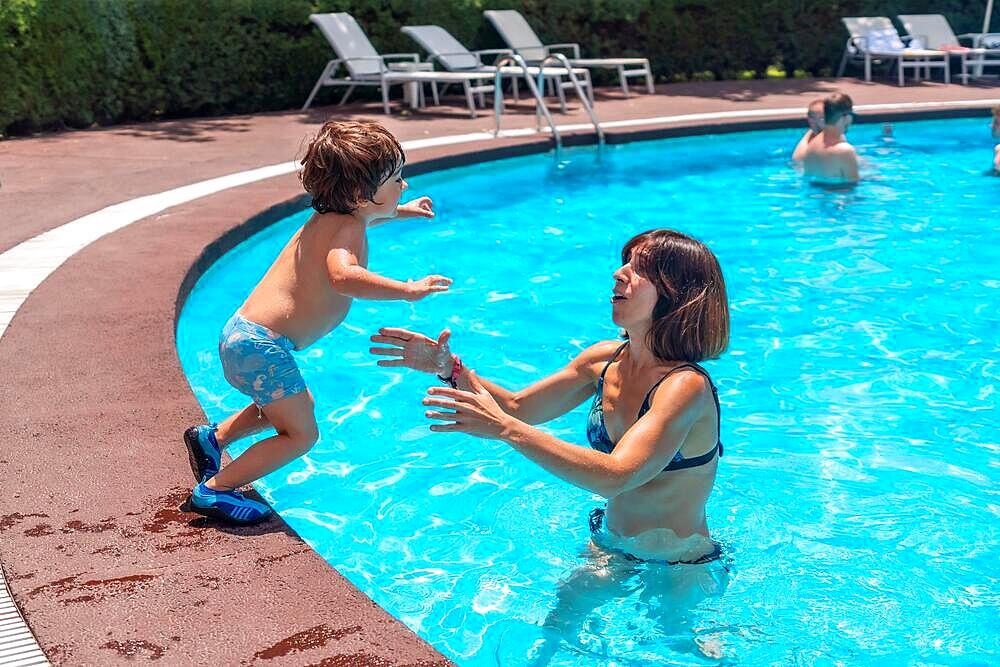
103, 566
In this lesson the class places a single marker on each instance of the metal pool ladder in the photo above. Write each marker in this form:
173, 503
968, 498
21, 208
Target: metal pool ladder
540, 108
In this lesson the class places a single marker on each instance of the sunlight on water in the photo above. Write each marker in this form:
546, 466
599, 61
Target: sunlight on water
858, 498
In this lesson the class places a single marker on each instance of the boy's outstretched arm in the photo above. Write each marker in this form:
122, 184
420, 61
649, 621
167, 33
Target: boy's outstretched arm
353, 280
421, 207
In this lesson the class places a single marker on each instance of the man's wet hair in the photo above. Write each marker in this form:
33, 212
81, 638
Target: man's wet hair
837, 106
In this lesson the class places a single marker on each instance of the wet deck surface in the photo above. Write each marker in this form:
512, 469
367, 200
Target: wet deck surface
99, 559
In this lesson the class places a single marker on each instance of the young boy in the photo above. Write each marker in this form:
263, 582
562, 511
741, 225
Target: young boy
352, 170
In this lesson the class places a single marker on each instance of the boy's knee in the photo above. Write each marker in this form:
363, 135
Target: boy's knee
303, 439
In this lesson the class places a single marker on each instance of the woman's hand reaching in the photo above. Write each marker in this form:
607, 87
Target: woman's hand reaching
475, 412
414, 350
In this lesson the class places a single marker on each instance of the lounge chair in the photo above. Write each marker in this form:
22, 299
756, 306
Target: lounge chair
366, 67
874, 38
442, 48
933, 31
519, 36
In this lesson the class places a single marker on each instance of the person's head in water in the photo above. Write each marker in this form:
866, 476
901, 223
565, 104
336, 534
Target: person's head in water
814, 116
670, 289
995, 125
838, 111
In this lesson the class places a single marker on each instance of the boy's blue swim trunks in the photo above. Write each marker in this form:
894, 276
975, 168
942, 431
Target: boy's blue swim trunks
258, 361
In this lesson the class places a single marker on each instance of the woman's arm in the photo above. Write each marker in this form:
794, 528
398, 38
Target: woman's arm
542, 401
553, 395
642, 453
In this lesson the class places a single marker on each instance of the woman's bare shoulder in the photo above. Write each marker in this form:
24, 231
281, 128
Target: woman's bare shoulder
593, 359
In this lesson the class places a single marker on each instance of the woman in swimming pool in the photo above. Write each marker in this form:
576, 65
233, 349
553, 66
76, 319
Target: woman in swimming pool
654, 423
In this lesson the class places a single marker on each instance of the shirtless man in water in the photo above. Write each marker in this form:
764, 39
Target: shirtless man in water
829, 157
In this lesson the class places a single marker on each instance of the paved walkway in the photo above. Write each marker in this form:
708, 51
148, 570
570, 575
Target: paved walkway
104, 567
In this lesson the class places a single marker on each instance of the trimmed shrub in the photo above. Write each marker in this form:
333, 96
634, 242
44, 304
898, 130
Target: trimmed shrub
73, 63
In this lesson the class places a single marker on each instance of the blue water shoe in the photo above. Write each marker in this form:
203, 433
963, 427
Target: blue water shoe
204, 453
230, 506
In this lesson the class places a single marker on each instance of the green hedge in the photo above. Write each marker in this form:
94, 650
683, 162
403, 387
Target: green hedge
77, 62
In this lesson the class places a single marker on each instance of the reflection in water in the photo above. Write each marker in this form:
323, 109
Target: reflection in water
664, 595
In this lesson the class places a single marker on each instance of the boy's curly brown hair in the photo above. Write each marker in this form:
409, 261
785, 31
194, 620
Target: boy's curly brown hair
346, 162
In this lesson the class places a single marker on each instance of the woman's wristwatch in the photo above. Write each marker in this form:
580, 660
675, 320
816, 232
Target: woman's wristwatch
456, 372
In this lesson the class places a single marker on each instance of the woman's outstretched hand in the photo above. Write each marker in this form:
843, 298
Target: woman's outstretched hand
474, 412
414, 350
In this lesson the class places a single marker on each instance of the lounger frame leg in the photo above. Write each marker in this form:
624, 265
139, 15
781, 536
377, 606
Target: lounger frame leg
385, 97
434, 93
319, 84
513, 89
901, 70
468, 98
350, 89
649, 80
868, 68
623, 79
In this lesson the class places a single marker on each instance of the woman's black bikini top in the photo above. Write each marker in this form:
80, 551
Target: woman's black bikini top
597, 432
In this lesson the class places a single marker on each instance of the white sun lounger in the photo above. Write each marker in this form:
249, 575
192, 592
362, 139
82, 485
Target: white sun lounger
366, 67
933, 31
874, 38
442, 47
519, 36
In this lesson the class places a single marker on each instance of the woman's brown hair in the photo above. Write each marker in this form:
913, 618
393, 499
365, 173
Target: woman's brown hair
347, 162
691, 315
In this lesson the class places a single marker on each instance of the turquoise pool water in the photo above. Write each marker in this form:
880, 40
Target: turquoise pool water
858, 499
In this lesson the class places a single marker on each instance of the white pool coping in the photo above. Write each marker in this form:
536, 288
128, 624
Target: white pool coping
18, 647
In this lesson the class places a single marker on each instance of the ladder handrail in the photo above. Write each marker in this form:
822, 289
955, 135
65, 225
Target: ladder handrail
518, 61
588, 107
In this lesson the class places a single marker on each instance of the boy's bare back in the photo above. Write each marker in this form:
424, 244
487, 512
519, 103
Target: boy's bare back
296, 297
354, 172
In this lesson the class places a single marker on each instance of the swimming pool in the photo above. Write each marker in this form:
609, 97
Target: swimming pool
858, 498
